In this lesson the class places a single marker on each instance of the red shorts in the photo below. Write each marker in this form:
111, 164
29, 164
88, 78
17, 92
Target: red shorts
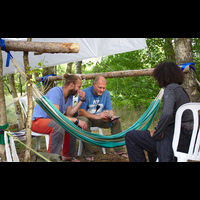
56, 132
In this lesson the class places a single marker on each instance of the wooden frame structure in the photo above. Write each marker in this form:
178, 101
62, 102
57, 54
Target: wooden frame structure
115, 74
38, 48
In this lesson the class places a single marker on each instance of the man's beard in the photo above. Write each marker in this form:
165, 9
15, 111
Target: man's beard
96, 93
73, 92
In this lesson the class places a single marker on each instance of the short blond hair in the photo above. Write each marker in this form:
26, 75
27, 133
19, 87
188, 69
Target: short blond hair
97, 79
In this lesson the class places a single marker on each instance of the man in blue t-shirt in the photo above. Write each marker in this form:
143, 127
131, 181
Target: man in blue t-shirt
97, 111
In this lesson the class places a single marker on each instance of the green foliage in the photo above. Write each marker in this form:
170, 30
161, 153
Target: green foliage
137, 92
20, 84
196, 55
130, 92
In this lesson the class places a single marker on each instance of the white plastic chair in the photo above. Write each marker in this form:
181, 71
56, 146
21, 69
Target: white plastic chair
193, 153
24, 104
80, 148
14, 157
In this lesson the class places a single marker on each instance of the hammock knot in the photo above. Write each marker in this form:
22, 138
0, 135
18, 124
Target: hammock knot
45, 77
183, 66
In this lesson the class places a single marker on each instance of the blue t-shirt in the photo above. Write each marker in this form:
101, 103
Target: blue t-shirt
56, 96
96, 104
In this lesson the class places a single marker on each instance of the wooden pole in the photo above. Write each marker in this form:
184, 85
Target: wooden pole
16, 104
116, 74
42, 47
3, 116
27, 157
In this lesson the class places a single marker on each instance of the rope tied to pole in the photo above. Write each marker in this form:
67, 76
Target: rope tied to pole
3, 47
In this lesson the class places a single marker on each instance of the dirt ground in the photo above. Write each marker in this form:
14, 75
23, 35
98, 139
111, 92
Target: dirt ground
100, 157
97, 152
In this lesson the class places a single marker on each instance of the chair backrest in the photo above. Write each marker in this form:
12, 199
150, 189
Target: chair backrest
24, 104
193, 153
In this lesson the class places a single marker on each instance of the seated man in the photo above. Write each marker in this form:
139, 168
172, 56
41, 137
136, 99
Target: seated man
96, 111
62, 98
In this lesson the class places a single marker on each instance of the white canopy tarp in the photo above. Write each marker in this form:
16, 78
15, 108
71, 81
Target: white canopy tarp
89, 48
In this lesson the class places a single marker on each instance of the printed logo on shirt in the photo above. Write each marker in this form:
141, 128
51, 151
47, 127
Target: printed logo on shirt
93, 108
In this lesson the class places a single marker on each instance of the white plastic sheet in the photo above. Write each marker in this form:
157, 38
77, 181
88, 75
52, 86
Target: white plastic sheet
89, 48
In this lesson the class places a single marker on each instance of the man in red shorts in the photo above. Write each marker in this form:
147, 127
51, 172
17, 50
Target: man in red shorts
62, 98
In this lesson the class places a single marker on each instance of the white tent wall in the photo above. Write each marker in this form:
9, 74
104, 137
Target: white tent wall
89, 48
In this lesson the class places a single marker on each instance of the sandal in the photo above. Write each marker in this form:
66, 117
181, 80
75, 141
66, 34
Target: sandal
122, 154
71, 160
90, 159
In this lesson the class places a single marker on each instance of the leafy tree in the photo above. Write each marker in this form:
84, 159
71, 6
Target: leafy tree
138, 92
132, 91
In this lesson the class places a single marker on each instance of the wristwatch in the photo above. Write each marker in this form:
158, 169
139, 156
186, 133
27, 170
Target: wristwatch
76, 123
83, 100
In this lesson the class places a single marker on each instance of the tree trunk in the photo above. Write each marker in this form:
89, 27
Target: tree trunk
27, 157
17, 105
183, 49
69, 67
47, 84
20, 85
169, 50
78, 67
42, 47
3, 116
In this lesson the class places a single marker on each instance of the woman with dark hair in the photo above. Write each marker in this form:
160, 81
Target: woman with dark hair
158, 142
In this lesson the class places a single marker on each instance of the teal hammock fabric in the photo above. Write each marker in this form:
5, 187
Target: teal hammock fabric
116, 140
111, 141
2, 128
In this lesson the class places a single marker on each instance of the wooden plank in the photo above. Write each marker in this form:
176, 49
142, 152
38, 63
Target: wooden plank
115, 74
42, 47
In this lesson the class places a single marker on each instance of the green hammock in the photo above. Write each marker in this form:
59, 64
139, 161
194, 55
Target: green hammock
116, 140
111, 141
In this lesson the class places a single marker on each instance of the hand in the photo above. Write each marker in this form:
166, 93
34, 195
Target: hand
81, 94
113, 117
110, 114
102, 115
83, 125
152, 132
